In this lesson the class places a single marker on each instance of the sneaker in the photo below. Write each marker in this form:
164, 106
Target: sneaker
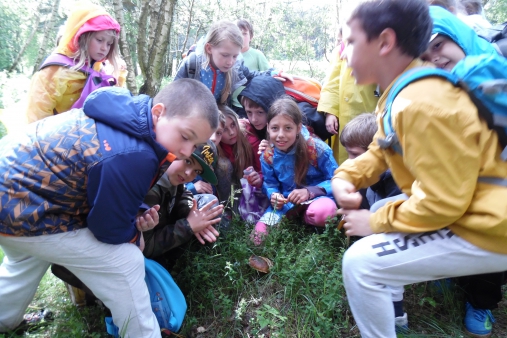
401, 323
478, 322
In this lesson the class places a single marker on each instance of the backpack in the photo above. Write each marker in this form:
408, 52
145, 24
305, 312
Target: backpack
497, 35
306, 92
167, 300
483, 77
304, 89
94, 79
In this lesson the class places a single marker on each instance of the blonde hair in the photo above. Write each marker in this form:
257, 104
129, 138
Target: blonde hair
286, 106
219, 32
82, 57
243, 153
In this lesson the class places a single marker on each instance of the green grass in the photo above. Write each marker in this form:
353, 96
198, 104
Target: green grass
302, 296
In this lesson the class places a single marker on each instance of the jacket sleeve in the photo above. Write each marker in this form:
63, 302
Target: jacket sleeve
327, 166
364, 170
46, 89
441, 148
165, 237
191, 187
182, 72
116, 188
330, 94
250, 74
263, 62
270, 184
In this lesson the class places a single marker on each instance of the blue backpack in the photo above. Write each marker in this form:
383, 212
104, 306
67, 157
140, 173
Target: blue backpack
483, 77
167, 300
94, 79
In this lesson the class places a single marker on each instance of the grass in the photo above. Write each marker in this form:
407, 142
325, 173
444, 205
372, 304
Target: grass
302, 296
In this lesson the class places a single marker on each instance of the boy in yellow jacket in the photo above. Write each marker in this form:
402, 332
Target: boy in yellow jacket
452, 224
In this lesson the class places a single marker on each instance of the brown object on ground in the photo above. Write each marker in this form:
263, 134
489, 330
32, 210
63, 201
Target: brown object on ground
259, 263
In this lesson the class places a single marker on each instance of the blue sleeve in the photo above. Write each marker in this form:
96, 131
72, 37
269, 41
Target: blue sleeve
270, 184
116, 188
250, 74
190, 186
326, 165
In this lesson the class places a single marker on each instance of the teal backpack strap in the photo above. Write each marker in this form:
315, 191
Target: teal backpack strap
391, 139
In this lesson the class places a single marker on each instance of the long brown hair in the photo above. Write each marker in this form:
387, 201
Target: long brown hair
221, 31
243, 153
287, 107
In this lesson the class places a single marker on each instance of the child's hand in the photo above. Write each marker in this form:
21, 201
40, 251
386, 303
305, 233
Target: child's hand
332, 124
254, 179
284, 77
263, 146
277, 201
357, 222
203, 188
345, 194
201, 221
298, 196
148, 219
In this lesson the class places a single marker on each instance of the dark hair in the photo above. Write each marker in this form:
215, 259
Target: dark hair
409, 19
288, 107
189, 97
245, 25
472, 7
251, 103
359, 131
450, 5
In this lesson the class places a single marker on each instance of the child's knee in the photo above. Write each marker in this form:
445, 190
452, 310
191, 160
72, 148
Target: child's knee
319, 211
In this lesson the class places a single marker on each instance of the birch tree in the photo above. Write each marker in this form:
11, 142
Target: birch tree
48, 34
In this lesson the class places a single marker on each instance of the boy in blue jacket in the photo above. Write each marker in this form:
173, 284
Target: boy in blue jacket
71, 187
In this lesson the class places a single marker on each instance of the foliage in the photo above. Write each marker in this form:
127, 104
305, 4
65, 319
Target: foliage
496, 11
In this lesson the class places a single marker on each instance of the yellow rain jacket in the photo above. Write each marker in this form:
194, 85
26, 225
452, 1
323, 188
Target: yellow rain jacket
343, 98
446, 148
54, 89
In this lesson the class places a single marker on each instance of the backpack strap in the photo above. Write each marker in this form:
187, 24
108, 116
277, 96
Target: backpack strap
192, 65
391, 139
311, 150
56, 59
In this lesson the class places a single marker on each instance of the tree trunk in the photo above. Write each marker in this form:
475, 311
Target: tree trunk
190, 12
142, 39
48, 30
158, 46
35, 24
124, 47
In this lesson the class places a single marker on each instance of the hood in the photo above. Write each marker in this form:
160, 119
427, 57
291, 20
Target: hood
75, 21
263, 90
117, 108
446, 23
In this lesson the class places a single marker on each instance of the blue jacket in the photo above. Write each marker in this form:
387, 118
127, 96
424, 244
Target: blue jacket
89, 167
279, 174
466, 38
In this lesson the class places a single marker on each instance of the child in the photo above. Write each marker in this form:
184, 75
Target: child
451, 224
74, 183
356, 136
235, 148
254, 58
451, 41
90, 37
297, 171
183, 215
217, 65
198, 185
341, 99
257, 97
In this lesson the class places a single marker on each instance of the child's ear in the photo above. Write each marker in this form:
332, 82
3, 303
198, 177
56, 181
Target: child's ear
387, 41
300, 126
157, 112
207, 48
